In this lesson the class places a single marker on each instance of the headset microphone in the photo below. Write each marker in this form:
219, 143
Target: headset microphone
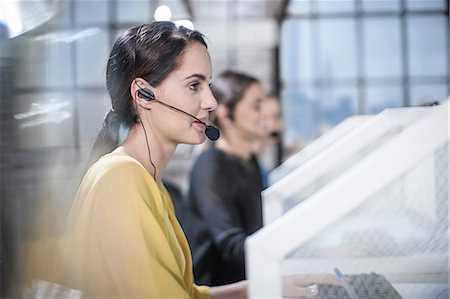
210, 131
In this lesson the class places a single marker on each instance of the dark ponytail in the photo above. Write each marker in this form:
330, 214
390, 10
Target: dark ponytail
107, 139
150, 51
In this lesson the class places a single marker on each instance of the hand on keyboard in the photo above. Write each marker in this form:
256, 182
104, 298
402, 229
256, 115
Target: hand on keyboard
367, 286
296, 286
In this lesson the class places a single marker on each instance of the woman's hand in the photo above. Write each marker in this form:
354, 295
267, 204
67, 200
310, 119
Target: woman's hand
296, 286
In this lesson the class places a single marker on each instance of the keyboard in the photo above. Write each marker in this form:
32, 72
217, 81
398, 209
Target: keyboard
367, 286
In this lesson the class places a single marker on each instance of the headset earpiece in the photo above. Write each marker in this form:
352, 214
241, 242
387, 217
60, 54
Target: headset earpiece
146, 93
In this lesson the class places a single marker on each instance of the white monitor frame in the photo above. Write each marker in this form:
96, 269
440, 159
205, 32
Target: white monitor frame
344, 148
267, 248
321, 143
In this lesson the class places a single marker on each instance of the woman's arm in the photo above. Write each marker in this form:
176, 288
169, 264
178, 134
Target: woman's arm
237, 290
295, 286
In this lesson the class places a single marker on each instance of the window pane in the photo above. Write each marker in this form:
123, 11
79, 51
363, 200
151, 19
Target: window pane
342, 6
336, 104
382, 47
299, 116
178, 8
425, 4
337, 49
382, 97
296, 56
381, 5
212, 10
45, 63
91, 12
299, 7
257, 63
91, 57
134, 11
62, 18
427, 46
92, 107
426, 93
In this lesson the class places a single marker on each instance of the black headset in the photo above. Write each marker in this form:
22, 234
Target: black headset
210, 131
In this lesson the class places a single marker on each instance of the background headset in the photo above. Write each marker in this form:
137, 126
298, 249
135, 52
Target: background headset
210, 131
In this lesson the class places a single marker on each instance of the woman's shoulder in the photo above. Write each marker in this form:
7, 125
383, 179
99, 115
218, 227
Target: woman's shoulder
121, 176
117, 162
120, 168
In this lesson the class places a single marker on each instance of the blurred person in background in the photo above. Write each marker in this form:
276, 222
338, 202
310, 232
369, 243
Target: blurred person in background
123, 239
226, 183
268, 147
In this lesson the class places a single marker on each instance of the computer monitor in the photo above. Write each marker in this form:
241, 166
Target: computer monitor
387, 214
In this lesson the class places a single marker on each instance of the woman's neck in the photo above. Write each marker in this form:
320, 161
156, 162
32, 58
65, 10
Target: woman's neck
155, 157
234, 145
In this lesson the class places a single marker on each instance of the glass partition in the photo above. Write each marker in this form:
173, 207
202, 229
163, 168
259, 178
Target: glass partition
386, 217
327, 160
317, 146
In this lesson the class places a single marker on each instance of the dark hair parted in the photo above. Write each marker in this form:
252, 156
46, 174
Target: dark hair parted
151, 52
229, 89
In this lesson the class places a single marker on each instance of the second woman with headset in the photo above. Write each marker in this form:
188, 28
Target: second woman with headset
226, 183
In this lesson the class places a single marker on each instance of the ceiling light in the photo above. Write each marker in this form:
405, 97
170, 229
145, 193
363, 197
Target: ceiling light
163, 13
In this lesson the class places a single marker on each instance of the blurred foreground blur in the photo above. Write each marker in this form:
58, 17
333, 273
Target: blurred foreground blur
326, 60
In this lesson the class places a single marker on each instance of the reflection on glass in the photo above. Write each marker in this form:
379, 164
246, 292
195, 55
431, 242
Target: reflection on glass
427, 45
53, 111
382, 47
337, 48
44, 120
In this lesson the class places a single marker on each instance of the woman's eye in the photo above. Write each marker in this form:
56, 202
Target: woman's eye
194, 86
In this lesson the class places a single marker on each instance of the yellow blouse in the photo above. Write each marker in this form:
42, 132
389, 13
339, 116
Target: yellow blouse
124, 239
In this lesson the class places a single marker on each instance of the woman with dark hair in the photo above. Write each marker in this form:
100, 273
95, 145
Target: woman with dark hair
123, 239
226, 183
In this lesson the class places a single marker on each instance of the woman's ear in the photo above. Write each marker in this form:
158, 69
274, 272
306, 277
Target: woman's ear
143, 99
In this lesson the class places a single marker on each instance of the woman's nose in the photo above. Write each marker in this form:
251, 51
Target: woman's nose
209, 102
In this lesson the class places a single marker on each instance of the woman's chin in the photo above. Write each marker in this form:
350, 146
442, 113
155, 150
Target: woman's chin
196, 140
